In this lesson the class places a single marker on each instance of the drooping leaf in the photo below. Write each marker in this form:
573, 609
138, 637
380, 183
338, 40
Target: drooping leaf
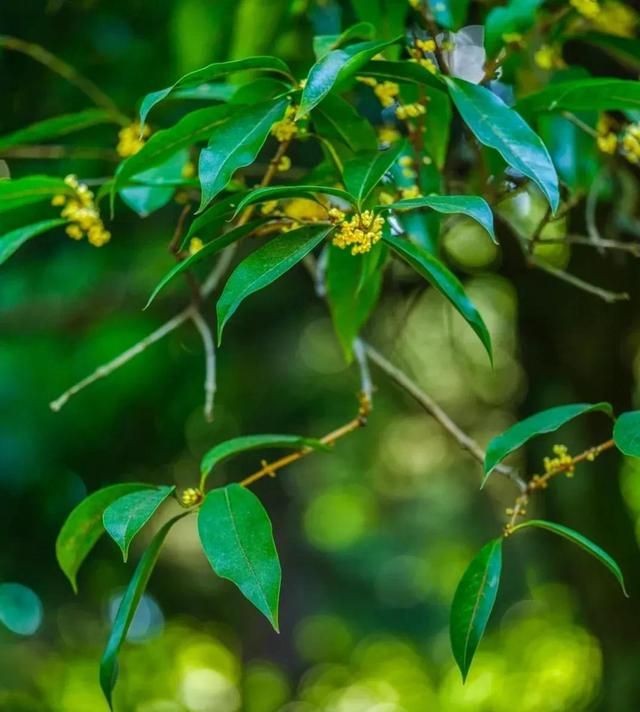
230, 448
495, 125
237, 538
547, 421
363, 173
473, 602
125, 517
626, 433
55, 127
401, 72
193, 128
596, 94
471, 205
236, 144
516, 16
353, 287
264, 266
18, 192
444, 281
208, 250
127, 609
333, 69
581, 541
262, 195
84, 527
13, 240
210, 72
336, 118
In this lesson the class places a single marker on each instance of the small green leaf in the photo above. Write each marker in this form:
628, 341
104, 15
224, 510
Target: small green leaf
495, 125
401, 72
18, 192
13, 240
237, 539
582, 542
444, 281
264, 266
230, 448
208, 250
584, 95
335, 68
262, 195
235, 145
626, 433
363, 173
127, 610
55, 127
336, 118
353, 288
471, 205
125, 517
213, 71
547, 421
515, 16
473, 602
84, 527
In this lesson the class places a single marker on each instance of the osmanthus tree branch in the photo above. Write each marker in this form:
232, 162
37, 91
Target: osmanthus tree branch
210, 363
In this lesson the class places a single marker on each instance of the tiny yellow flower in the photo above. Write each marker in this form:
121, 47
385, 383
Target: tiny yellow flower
131, 139
387, 134
548, 57
284, 164
587, 8
81, 211
410, 192
410, 111
195, 245
188, 170
268, 207
387, 93
512, 38
285, 129
426, 46
608, 143
359, 233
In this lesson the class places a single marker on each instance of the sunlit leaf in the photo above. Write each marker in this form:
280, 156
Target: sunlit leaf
495, 125
581, 541
84, 527
547, 421
237, 538
56, 127
444, 281
363, 173
125, 517
264, 266
12, 241
626, 433
473, 602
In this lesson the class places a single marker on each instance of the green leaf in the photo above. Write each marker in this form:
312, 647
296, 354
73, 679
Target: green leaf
235, 145
438, 127
473, 602
83, 527
547, 421
237, 539
230, 448
18, 192
214, 219
13, 240
584, 95
262, 195
401, 72
495, 125
334, 69
353, 288
322, 44
264, 266
363, 173
336, 118
582, 542
625, 50
444, 281
471, 205
626, 433
55, 127
207, 250
516, 16
125, 517
451, 13
127, 610
210, 72
196, 126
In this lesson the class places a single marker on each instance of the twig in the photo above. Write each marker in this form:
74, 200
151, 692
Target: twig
591, 206
430, 22
632, 247
66, 71
366, 384
465, 441
580, 124
210, 363
604, 294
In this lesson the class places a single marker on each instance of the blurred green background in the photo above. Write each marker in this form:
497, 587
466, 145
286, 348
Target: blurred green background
373, 537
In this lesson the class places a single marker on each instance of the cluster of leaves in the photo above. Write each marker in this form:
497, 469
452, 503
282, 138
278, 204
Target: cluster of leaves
401, 178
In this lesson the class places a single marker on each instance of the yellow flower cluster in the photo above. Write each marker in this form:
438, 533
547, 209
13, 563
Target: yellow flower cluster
410, 111
287, 128
513, 38
418, 54
548, 57
284, 164
131, 139
410, 192
190, 497
607, 140
587, 8
386, 93
82, 212
561, 462
195, 245
631, 143
359, 233
616, 18
387, 134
